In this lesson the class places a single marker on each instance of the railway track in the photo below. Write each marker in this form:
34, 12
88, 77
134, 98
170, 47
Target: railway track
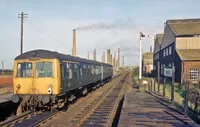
29, 119
101, 111
32, 119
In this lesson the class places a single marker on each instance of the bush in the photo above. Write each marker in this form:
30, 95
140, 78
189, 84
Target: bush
194, 96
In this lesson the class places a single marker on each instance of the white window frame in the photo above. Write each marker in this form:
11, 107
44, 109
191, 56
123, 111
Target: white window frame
170, 50
194, 73
164, 53
166, 50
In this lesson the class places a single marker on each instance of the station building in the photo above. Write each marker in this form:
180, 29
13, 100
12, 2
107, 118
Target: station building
180, 47
156, 54
147, 64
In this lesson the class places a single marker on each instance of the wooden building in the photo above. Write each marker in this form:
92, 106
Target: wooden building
180, 48
147, 63
156, 53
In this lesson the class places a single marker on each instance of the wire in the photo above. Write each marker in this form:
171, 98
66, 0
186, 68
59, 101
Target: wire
53, 38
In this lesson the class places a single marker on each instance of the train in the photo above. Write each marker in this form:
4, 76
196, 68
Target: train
43, 78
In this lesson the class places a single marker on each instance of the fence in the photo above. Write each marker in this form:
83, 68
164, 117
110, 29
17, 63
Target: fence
6, 72
169, 90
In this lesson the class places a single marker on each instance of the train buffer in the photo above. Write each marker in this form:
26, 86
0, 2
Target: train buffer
142, 109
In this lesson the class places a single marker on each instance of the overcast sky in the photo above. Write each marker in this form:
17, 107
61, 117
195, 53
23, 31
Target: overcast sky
101, 24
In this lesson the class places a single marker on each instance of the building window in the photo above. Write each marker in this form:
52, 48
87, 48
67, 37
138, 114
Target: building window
166, 51
170, 50
194, 74
163, 53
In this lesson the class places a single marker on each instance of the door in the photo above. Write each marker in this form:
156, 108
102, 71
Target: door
63, 77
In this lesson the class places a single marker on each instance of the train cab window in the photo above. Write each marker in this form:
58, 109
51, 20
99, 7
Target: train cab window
44, 69
24, 69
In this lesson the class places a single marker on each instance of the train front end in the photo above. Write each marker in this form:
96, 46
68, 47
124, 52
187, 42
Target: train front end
35, 82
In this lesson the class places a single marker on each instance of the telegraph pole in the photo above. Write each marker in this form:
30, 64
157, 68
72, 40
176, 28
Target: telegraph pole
123, 61
22, 16
2, 67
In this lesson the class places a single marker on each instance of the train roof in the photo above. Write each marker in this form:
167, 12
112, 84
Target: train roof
46, 54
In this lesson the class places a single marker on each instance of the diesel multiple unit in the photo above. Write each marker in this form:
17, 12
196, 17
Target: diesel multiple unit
46, 78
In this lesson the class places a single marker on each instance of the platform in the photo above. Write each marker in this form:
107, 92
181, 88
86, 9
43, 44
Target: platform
141, 109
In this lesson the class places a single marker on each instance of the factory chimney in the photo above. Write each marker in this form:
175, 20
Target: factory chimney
104, 57
94, 54
118, 57
108, 56
114, 60
123, 61
111, 59
74, 43
150, 48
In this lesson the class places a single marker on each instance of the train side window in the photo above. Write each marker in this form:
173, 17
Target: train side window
70, 73
76, 71
92, 69
24, 69
81, 70
69, 70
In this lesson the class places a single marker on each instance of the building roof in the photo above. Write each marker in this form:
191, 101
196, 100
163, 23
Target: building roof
185, 27
157, 42
46, 54
148, 55
189, 54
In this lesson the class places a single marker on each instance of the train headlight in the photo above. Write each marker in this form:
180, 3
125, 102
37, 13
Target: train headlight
18, 86
50, 89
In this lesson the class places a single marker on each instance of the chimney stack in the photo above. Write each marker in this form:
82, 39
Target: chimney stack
2, 67
94, 54
118, 57
88, 55
108, 56
104, 57
74, 43
150, 48
123, 61
114, 60
111, 59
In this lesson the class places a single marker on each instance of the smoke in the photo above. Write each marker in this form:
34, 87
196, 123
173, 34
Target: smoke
122, 24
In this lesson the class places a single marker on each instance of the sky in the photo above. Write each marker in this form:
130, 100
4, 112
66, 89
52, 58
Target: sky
100, 25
